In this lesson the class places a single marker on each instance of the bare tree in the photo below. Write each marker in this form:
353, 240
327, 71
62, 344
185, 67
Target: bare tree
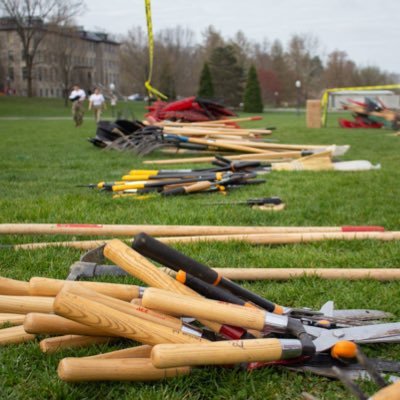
65, 46
340, 70
31, 18
304, 62
134, 61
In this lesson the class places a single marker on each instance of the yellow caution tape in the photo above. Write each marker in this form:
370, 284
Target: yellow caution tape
147, 84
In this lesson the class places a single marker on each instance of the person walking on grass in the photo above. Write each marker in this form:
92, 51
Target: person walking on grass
77, 97
97, 103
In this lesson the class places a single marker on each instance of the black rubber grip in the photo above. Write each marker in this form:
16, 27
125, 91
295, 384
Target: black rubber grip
211, 291
247, 294
171, 258
238, 165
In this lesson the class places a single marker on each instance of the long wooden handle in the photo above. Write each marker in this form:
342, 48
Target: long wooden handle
50, 324
252, 156
13, 287
154, 230
279, 238
116, 322
224, 352
391, 392
26, 304
252, 274
50, 287
14, 335
224, 145
120, 369
138, 266
127, 308
230, 120
58, 343
142, 351
226, 313
12, 319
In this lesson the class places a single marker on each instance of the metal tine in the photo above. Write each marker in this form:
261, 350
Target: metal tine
369, 367
349, 384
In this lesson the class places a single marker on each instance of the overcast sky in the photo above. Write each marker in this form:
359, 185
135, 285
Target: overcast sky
368, 30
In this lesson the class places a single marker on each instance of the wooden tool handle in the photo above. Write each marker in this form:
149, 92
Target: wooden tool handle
50, 287
13, 287
139, 267
217, 353
252, 274
285, 238
127, 308
26, 304
122, 369
142, 351
391, 392
116, 322
12, 319
225, 313
58, 343
50, 324
78, 244
198, 187
14, 335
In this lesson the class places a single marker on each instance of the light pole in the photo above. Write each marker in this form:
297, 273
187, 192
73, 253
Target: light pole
298, 92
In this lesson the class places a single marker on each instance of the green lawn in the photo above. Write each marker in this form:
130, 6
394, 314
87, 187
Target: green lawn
42, 161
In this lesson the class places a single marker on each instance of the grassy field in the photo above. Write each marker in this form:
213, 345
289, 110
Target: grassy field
42, 161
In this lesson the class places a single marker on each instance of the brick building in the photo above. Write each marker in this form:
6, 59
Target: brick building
89, 59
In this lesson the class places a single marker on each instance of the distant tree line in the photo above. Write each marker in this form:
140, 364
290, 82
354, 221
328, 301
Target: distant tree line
218, 68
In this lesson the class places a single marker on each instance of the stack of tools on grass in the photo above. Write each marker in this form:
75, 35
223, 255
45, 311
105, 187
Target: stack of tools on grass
196, 233
224, 176
235, 326
314, 160
190, 109
144, 138
370, 114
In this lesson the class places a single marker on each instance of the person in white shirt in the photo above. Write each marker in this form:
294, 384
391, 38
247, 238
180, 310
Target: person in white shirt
97, 103
77, 97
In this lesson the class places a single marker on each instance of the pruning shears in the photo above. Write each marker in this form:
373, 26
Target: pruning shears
272, 349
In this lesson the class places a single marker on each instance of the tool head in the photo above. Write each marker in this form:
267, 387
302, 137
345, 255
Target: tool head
327, 338
94, 256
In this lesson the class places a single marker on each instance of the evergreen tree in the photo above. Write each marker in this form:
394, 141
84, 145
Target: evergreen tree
206, 88
227, 75
252, 96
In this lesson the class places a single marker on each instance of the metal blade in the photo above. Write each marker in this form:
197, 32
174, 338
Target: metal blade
328, 310
326, 338
361, 314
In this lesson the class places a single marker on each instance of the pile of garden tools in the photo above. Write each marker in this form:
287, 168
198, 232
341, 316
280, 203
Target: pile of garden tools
223, 176
370, 114
143, 138
186, 315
